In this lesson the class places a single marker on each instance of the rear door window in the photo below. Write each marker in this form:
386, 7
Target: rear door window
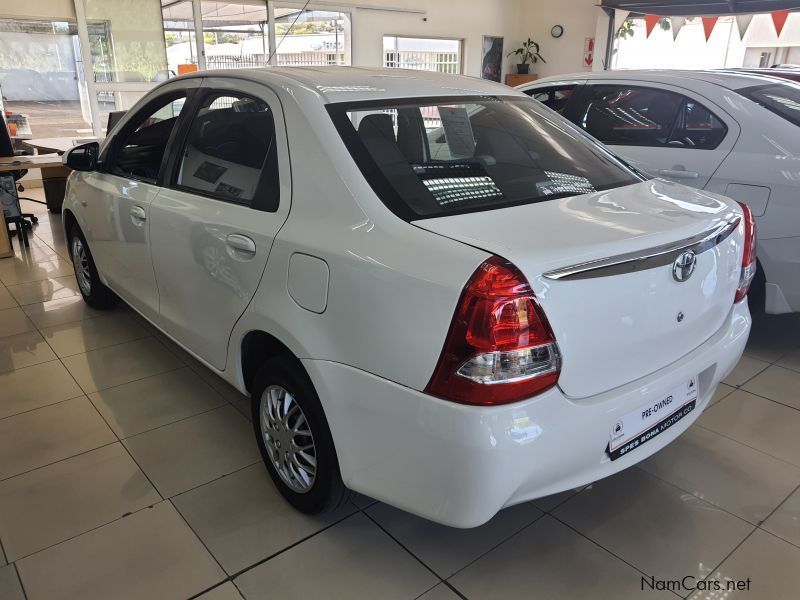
230, 152
630, 116
640, 116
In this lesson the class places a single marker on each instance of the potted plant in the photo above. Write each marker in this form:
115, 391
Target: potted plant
528, 53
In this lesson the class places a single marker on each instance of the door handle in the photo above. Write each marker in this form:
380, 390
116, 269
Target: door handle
138, 215
240, 243
679, 173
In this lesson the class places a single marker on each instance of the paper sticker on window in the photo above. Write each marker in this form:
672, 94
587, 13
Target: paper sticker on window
209, 172
458, 130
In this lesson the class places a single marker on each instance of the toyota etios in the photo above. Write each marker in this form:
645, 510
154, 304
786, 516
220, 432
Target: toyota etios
436, 291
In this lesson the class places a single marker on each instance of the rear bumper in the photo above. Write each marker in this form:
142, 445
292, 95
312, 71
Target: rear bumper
458, 465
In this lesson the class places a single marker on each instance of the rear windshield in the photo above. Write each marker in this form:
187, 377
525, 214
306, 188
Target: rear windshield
781, 98
448, 156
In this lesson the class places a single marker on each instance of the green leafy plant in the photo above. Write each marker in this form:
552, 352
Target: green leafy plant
625, 30
528, 53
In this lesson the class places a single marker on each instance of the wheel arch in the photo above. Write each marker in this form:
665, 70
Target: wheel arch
258, 346
69, 221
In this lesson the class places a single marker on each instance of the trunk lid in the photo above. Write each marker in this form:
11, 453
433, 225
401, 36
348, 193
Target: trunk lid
631, 317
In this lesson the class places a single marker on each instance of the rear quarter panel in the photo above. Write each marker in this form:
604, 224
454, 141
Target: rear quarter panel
393, 287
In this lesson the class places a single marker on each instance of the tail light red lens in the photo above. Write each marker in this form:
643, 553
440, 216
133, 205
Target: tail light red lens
500, 347
749, 256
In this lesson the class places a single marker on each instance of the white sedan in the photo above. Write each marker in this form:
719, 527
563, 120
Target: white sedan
729, 132
435, 291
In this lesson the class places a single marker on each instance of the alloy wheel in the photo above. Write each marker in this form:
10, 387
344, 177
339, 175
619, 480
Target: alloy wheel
80, 261
288, 439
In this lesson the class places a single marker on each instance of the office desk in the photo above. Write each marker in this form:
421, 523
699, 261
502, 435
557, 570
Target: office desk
41, 161
54, 175
54, 179
57, 145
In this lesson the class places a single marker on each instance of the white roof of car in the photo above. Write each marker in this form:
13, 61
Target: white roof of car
733, 80
348, 84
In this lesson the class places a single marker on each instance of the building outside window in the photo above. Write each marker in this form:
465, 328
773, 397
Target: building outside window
40, 78
424, 54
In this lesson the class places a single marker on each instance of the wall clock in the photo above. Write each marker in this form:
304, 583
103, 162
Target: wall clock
557, 31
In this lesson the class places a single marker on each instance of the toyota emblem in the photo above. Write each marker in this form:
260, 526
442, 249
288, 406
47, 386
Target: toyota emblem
684, 266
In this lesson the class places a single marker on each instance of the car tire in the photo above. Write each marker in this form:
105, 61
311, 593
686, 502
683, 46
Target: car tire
94, 292
284, 403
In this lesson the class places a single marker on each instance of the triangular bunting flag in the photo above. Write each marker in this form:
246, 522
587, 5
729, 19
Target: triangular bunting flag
677, 25
779, 20
650, 22
743, 23
619, 18
708, 25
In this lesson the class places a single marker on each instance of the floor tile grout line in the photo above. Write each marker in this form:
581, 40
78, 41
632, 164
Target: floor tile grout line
774, 510
403, 546
433, 587
217, 478
91, 529
727, 556
216, 586
225, 404
55, 462
56, 403
495, 547
19, 578
136, 339
199, 539
783, 460
717, 506
260, 562
771, 399
131, 513
603, 548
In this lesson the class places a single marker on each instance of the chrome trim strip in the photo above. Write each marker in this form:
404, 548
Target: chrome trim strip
646, 259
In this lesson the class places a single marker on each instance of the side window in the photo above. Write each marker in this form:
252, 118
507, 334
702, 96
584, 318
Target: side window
630, 116
554, 98
230, 152
697, 128
141, 149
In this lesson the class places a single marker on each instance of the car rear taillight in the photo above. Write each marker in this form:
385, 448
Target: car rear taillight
500, 347
749, 255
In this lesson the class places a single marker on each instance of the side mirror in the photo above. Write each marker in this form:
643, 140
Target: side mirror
83, 157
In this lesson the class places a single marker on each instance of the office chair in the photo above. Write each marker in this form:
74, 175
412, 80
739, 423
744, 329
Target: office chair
7, 150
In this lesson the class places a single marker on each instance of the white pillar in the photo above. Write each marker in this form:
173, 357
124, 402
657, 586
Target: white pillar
88, 73
273, 57
197, 12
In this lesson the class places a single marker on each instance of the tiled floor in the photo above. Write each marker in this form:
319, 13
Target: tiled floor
128, 471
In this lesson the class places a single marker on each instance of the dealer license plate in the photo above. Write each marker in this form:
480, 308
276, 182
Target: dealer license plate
643, 424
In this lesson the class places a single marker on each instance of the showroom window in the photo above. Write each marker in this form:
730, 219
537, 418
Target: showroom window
423, 54
236, 35
312, 37
230, 152
141, 152
40, 79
